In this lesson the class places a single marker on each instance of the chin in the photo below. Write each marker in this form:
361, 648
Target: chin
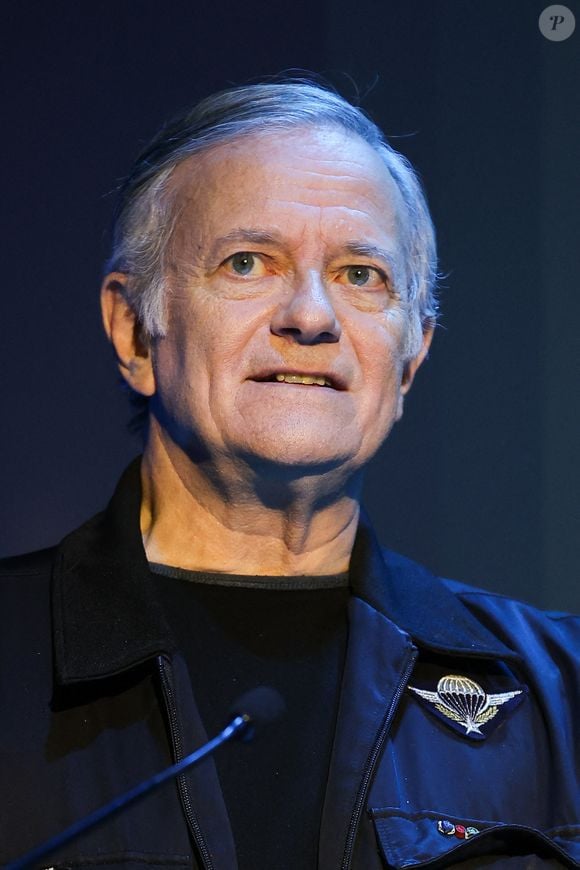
300, 455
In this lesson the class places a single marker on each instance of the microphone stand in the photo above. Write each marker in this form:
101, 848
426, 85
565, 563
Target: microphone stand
233, 729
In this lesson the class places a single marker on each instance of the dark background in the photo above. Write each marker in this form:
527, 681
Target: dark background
480, 480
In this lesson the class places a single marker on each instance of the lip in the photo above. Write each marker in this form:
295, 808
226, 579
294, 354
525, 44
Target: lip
269, 376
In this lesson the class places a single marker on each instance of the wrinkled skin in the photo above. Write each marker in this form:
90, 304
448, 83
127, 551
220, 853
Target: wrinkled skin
285, 260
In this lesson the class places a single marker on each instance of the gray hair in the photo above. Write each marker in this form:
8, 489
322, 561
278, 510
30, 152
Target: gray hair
145, 219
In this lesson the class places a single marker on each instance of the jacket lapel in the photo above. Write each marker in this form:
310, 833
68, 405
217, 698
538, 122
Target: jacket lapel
107, 620
398, 608
379, 656
417, 601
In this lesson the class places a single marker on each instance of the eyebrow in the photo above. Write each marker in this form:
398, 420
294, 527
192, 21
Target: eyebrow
372, 252
254, 237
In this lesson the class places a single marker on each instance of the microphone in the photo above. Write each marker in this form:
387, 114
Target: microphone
258, 707
248, 715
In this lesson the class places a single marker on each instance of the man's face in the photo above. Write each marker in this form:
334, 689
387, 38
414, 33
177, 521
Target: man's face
285, 329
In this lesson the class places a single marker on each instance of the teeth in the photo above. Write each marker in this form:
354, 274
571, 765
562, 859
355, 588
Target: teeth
303, 379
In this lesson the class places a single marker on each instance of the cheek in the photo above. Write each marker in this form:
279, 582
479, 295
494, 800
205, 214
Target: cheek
381, 362
384, 377
205, 345
178, 366
379, 347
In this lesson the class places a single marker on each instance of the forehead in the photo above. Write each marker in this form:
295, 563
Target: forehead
287, 181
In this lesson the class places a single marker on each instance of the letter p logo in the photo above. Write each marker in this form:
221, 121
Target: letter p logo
557, 23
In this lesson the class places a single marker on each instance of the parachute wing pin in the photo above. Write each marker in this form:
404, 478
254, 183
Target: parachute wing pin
462, 700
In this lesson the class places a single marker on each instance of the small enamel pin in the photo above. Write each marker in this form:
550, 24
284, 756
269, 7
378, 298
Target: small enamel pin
444, 826
463, 704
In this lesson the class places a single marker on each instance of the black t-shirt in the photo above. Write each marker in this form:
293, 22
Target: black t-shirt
238, 632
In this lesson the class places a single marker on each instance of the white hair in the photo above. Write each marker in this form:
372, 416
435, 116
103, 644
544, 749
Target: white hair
145, 217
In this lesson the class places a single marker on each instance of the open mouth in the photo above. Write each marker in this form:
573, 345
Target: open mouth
307, 380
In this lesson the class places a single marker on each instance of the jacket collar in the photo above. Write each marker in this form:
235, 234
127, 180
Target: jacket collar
418, 602
106, 617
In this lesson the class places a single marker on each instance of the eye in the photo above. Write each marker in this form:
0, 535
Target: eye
364, 276
245, 263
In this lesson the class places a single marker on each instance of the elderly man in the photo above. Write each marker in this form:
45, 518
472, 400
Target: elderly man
270, 297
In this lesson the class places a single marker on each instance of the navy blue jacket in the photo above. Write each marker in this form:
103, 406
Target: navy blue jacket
457, 741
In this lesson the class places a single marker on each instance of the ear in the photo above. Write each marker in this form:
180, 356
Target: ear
125, 333
411, 366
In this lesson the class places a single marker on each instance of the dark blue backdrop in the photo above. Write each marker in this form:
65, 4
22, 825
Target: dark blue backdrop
481, 478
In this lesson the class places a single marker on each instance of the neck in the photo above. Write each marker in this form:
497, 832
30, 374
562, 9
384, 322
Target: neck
230, 517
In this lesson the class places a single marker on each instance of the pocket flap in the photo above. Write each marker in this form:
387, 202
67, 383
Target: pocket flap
416, 840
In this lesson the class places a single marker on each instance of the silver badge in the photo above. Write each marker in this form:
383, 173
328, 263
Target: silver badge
463, 701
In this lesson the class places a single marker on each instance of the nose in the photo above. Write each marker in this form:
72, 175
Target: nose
306, 313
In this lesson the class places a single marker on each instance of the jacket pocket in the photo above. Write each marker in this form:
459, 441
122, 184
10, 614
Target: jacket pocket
435, 840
